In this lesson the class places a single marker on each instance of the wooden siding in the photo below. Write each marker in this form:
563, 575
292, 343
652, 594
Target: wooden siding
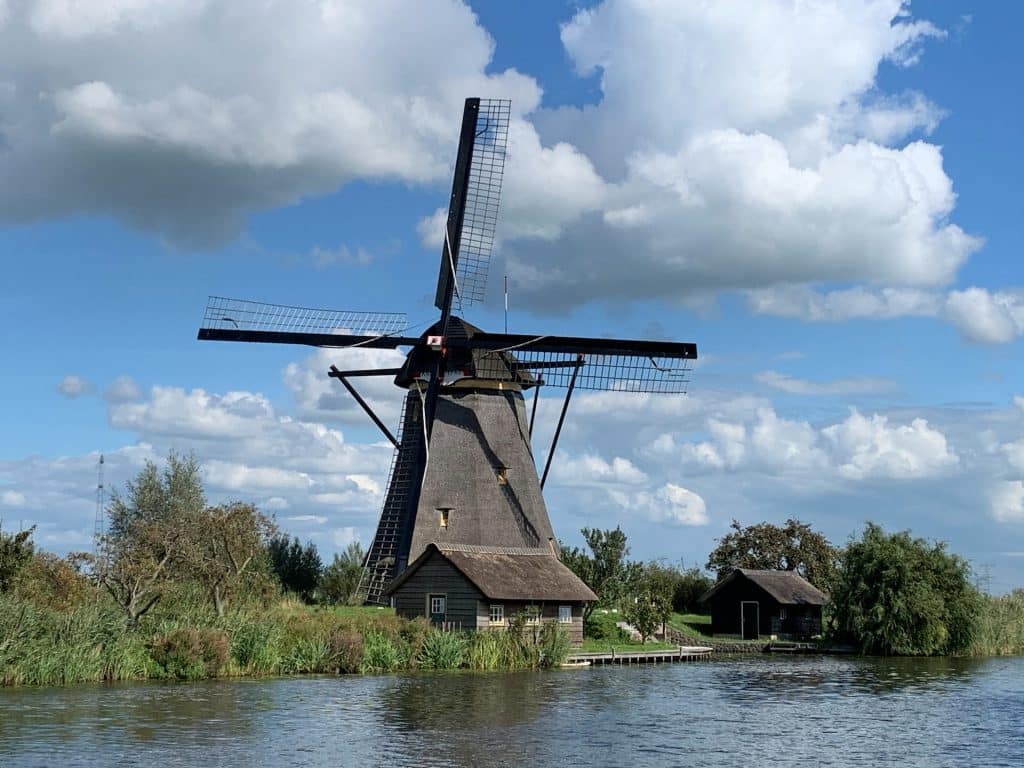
801, 620
548, 612
438, 577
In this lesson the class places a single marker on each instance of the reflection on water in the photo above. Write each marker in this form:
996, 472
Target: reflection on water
785, 711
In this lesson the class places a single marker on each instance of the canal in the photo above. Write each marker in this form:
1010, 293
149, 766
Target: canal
805, 711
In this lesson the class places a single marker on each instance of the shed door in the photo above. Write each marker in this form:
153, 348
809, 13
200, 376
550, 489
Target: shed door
749, 619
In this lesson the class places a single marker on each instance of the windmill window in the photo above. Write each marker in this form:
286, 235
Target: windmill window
502, 474
497, 614
443, 513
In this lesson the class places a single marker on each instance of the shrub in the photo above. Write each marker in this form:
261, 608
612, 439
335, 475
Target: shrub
442, 650
346, 650
256, 647
191, 654
554, 644
380, 654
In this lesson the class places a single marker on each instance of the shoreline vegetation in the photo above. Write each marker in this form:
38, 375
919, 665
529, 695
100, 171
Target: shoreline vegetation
182, 590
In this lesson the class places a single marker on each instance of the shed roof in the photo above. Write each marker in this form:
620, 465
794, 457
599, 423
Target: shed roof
502, 575
787, 587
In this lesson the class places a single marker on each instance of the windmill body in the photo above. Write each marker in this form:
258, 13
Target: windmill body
464, 522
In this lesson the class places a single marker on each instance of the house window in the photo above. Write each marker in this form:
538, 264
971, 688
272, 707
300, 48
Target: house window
497, 614
443, 513
565, 614
437, 605
532, 615
782, 614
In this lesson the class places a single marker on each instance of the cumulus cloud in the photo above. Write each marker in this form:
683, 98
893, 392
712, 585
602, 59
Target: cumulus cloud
72, 386
866, 447
590, 469
12, 499
670, 503
986, 317
233, 106
1007, 502
123, 389
746, 146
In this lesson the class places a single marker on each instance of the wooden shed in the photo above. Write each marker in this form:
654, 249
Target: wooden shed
754, 603
474, 587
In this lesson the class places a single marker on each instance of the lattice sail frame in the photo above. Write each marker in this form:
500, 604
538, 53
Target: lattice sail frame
483, 197
244, 315
605, 373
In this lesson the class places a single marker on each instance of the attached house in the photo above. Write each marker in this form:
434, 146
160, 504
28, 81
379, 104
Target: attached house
474, 587
757, 603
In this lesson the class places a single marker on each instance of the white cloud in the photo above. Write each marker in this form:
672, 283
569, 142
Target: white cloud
670, 503
241, 104
12, 499
858, 385
123, 389
869, 447
590, 469
72, 386
342, 537
318, 519
986, 317
804, 303
1007, 502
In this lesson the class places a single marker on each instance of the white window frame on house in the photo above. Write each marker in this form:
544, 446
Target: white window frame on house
565, 614
533, 613
782, 614
443, 604
497, 614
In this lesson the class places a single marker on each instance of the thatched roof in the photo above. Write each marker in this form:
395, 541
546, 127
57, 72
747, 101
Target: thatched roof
786, 587
509, 574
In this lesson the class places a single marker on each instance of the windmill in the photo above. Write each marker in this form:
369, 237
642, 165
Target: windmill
463, 472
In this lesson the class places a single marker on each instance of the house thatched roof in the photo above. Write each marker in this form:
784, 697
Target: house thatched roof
786, 587
534, 575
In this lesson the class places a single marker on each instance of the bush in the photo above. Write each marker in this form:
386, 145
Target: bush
895, 595
346, 650
380, 654
554, 644
191, 654
442, 650
256, 647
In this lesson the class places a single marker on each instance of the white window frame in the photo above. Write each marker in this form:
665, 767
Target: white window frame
430, 605
782, 613
565, 614
533, 613
496, 615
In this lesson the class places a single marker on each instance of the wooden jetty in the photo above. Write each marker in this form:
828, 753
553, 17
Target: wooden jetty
663, 656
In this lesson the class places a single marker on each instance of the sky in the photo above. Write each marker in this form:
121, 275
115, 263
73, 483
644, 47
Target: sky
823, 196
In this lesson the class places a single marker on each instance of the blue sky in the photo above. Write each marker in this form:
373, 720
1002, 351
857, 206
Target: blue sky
824, 198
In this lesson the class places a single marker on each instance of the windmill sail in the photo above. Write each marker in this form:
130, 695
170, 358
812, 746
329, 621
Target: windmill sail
473, 209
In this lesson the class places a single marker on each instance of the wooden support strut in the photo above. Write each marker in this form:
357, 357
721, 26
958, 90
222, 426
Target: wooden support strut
561, 419
334, 373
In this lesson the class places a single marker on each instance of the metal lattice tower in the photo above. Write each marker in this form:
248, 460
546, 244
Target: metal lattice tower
100, 523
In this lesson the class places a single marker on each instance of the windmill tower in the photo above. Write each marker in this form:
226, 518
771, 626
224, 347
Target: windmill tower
463, 478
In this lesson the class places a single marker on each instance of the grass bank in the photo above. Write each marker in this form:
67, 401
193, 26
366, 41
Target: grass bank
184, 640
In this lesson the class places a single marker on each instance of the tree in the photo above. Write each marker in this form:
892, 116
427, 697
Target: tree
690, 586
340, 580
16, 550
605, 570
793, 547
650, 602
223, 548
150, 528
897, 595
298, 568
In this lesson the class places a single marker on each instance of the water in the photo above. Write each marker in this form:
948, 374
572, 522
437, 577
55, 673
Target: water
758, 711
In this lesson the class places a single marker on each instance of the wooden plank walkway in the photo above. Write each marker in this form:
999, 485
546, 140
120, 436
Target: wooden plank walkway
664, 656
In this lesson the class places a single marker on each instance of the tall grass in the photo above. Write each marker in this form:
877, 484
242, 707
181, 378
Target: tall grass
183, 639
1000, 626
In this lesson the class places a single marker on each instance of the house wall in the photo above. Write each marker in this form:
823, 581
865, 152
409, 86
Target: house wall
549, 612
438, 576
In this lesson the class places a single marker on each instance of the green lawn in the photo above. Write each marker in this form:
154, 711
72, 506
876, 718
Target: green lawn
696, 625
605, 645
